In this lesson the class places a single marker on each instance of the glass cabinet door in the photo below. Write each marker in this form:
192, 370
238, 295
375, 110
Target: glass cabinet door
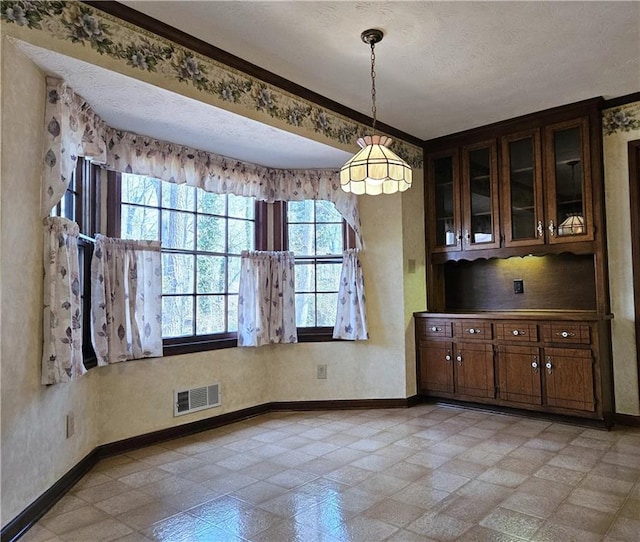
569, 177
445, 207
480, 196
522, 210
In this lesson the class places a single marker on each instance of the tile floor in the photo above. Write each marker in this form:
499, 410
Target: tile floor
420, 474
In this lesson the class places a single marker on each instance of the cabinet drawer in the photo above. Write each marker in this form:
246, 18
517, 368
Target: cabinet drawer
470, 329
516, 331
570, 333
433, 328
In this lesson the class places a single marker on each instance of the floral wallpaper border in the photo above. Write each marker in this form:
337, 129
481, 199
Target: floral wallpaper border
142, 51
621, 119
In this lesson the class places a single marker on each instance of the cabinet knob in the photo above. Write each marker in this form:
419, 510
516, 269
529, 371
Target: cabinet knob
534, 365
459, 358
540, 229
552, 228
565, 334
447, 357
434, 328
548, 365
517, 332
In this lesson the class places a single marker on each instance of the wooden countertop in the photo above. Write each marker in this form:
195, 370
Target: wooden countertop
586, 316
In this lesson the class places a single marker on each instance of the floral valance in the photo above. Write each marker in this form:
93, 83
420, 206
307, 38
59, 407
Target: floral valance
73, 129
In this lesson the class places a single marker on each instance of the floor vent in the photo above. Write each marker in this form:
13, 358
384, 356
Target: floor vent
187, 401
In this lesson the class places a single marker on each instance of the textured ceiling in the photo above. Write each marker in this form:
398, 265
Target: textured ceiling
442, 66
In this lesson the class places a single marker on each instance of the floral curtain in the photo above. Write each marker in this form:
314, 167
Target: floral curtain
351, 318
62, 320
126, 299
73, 129
266, 304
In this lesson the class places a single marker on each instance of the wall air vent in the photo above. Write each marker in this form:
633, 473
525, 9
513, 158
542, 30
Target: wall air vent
187, 401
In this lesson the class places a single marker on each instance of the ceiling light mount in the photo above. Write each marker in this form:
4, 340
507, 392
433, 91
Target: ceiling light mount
372, 36
375, 169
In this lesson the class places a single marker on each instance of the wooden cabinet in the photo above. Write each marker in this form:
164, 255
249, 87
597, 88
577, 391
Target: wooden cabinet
533, 363
523, 183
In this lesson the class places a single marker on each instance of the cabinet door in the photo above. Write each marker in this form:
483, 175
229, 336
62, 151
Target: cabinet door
480, 196
568, 374
436, 367
519, 374
444, 201
522, 208
568, 182
474, 373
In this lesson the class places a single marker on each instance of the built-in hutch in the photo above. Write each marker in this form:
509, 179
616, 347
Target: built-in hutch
517, 290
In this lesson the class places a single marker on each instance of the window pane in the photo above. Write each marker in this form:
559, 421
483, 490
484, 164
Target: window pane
232, 312
301, 239
211, 233
305, 277
233, 269
214, 204
177, 230
177, 273
305, 310
211, 275
300, 211
241, 206
329, 239
240, 236
139, 223
328, 277
178, 196
326, 212
210, 315
177, 316
326, 309
140, 190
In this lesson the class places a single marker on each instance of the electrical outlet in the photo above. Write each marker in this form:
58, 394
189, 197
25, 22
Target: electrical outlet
518, 286
322, 371
70, 425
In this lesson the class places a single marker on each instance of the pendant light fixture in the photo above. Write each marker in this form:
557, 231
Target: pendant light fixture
574, 223
375, 169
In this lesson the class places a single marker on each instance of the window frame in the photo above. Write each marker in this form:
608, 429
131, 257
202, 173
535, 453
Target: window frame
191, 343
312, 333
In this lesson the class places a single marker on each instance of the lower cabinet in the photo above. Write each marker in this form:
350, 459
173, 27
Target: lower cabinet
457, 368
550, 366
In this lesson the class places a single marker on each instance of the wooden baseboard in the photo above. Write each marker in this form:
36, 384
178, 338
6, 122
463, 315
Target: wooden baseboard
626, 419
38, 508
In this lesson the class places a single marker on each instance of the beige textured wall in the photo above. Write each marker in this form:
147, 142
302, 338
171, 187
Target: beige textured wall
616, 175
35, 451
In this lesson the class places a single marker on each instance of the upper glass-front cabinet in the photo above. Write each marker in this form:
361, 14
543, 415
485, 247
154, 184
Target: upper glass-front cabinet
445, 206
568, 175
480, 196
522, 208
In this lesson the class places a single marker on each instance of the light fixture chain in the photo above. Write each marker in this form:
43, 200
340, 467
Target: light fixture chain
373, 85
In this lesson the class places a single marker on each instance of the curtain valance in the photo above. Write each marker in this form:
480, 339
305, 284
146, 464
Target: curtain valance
73, 129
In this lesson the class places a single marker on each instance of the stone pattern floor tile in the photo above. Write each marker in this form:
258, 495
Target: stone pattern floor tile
424, 474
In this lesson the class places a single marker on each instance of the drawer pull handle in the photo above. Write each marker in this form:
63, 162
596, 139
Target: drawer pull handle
459, 359
552, 228
434, 328
534, 365
540, 229
549, 366
517, 332
447, 357
473, 331
565, 334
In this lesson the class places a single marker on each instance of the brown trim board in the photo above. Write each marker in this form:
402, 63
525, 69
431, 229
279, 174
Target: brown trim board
634, 199
19, 525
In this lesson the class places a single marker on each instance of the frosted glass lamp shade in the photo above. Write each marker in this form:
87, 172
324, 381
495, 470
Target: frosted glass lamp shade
572, 225
375, 169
